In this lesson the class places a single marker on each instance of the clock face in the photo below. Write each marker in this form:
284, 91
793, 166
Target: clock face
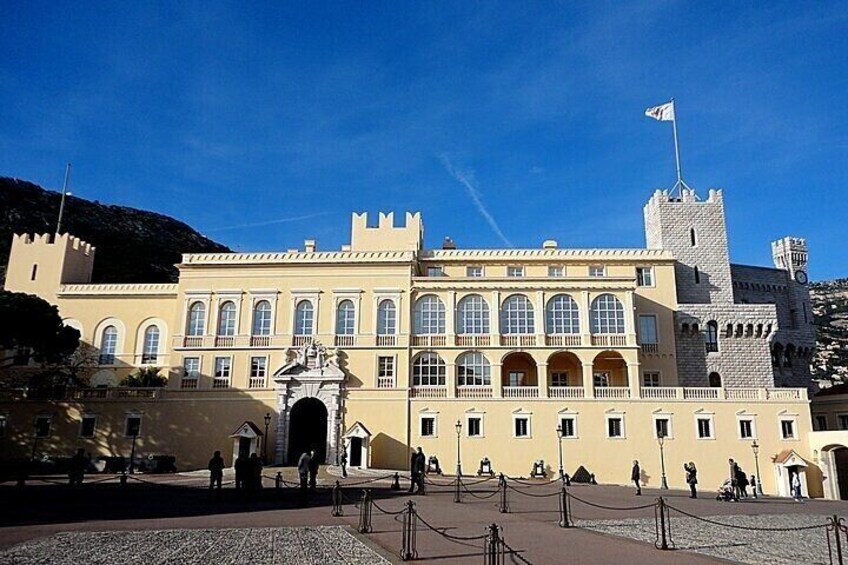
801, 277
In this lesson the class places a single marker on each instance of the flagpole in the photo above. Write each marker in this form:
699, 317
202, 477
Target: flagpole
62, 203
676, 146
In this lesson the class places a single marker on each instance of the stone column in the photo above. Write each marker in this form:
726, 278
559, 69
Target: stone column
281, 445
450, 377
540, 317
497, 380
633, 379
585, 330
542, 379
450, 319
495, 318
588, 380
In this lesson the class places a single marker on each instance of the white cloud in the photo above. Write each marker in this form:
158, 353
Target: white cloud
271, 222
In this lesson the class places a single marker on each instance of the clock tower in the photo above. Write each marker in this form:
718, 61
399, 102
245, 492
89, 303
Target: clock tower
790, 254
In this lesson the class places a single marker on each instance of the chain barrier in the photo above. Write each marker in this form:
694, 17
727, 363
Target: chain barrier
748, 528
479, 496
337, 501
836, 526
530, 494
457, 493
662, 522
409, 539
503, 507
495, 549
529, 484
615, 508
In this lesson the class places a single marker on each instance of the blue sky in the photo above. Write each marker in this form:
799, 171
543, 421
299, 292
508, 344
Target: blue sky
515, 122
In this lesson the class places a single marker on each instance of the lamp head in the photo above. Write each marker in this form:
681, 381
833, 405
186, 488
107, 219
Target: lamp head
458, 427
559, 431
756, 447
267, 418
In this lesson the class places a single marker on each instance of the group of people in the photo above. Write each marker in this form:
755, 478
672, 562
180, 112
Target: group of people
307, 470
735, 488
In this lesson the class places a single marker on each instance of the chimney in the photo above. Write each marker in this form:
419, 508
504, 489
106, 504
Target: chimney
448, 243
549, 244
309, 246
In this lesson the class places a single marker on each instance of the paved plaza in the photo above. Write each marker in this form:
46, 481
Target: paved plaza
170, 519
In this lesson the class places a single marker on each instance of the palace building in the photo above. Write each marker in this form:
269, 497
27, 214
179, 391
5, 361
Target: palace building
386, 345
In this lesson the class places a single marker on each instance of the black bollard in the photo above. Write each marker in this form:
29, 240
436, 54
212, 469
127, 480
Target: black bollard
564, 520
492, 551
278, 480
365, 512
396, 482
503, 507
408, 549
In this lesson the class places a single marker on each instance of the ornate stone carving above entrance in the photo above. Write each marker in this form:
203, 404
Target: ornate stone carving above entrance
312, 371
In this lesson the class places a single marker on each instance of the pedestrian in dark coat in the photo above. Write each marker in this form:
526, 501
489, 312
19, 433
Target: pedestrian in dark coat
734, 478
636, 476
313, 470
303, 472
343, 463
255, 472
417, 465
216, 470
691, 478
742, 480
76, 473
241, 467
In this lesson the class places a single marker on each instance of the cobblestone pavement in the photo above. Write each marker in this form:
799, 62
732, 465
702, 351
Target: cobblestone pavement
736, 544
321, 545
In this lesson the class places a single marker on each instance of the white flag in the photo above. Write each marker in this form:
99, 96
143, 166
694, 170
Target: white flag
664, 113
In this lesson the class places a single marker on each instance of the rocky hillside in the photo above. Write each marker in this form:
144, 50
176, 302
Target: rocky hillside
132, 245
830, 312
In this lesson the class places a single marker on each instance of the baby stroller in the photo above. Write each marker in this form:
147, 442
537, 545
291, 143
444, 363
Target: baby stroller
726, 492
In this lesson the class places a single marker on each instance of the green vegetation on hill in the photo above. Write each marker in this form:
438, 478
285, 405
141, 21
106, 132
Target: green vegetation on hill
132, 245
830, 315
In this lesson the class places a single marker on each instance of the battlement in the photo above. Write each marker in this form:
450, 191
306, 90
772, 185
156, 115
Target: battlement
40, 263
385, 236
69, 241
790, 253
687, 196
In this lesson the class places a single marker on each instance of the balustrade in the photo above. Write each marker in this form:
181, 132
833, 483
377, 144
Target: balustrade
520, 392
474, 392
567, 392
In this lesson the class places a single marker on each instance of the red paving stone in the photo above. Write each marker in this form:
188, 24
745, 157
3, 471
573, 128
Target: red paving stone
530, 528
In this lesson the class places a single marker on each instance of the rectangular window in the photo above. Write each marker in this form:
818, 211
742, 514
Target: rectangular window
644, 276
615, 427
601, 379
516, 378
475, 427
597, 271
474, 272
559, 378
258, 372
746, 429
435, 272
556, 271
385, 372
787, 429
88, 424
223, 366
661, 427
522, 427
843, 422
191, 372
650, 379
428, 427
42, 426
648, 329
568, 426
705, 428
34, 272
515, 271
821, 423
132, 426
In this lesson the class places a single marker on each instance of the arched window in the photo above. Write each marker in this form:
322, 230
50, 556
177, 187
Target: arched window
196, 319
472, 315
711, 337
428, 369
776, 355
303, 314
227, 319
787, 355
473, 369
607, 315
715, 380
345, 318
262, 318
429, 315
150, 350
517, 315
386, 318
108, 345
562, 315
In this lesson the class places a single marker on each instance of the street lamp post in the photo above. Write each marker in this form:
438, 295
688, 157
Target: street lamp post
559, 435
756, 449
661, 442
265, 438
457, 497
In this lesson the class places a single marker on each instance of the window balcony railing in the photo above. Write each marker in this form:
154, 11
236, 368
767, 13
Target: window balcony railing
260, 340
429, 341
429, 391
711, 347
612, 392
473, 391
701, 393
221, 382
385, 382
301, 340
193, 341
386, 340
659, 392
518, 340
224, 341
149, 358
473, 340
566, 392
609, 340
563, 340
189, 383
649, 347
784, 393
345, 340
257, 382
520, 392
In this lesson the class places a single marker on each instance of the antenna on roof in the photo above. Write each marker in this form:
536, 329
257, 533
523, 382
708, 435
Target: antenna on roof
64, 193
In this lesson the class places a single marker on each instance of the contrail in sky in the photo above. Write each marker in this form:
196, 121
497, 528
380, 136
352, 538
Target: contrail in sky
466, 179
271, 222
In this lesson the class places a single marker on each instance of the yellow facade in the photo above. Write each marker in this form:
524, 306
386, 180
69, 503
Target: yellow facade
533, 374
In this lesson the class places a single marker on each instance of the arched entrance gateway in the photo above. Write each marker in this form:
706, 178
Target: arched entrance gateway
309, 404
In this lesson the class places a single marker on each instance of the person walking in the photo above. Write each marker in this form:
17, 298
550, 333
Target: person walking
636, 476
255, 474
796, 487
314, 464
734, 478
343, 463
303, 472
76, 471
241, 465
742, 479
691, 478
753, 482
216, 471
416, 469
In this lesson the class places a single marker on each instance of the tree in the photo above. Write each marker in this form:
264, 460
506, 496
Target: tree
145, 377
33, 324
